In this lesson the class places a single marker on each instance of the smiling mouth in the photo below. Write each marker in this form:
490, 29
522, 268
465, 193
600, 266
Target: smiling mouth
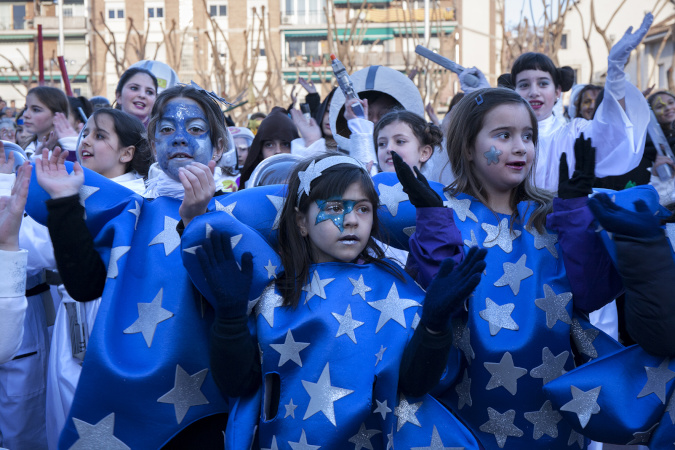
516, 165
536, 104
86, 154
139, 105
180, 156
349, 240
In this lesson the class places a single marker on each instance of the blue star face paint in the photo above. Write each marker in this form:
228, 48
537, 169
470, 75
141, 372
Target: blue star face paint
182, 136
335, 210
492, 155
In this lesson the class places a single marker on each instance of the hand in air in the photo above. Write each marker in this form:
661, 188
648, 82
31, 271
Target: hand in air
581, 183
308, 85
48, 142
199, 185
432, 114
62, 126
6, 166
620, 51
614, 219
417, 187
12, 207
54, 178
309, 131
472, 79
349, 113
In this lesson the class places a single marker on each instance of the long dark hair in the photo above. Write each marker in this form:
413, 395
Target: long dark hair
426, 133
54, 99
126, 76
580, 98
563, 77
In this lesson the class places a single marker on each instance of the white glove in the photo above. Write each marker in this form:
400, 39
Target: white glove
472, 79
619, 54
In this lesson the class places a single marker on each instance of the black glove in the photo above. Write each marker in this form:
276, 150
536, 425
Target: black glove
420, 193
615, 219
230, 286
581, 183
447, 293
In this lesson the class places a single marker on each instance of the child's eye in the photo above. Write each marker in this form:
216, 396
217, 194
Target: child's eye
99, 136
401, 141
381, 144
527, 137
165, 129
133, 88
196, 129
334, 208
504, 135
150, 93
363, 209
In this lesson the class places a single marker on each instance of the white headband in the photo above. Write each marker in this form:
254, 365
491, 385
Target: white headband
315, 170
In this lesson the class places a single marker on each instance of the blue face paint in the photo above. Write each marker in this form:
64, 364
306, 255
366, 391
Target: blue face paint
334, 209
182, 136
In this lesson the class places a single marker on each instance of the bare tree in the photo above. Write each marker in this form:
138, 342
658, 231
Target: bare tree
24, 84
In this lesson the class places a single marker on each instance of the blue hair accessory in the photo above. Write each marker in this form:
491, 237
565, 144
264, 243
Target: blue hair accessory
479, 99
211, 94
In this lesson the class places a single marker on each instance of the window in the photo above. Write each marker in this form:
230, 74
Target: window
67, 11
155, 12
19, 15
563, 42
114, 14
218, 10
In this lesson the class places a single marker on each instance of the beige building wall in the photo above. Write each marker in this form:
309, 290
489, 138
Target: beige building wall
480, 32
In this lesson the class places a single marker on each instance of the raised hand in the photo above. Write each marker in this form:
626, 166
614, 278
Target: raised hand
432, 114
199, 185
54, 178
615, 219
620, 52
62, 126
48, 142
468, 77
309, 131
6, 166
417, 187
308, 85
581, 183
11, 209
349, 113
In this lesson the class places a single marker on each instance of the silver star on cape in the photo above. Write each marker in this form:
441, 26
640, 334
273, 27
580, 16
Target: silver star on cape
552, 366
360, 287
643, 437
436, 443
501, 425
347, 324
362, 438
382, 408
187, 392
290, 409
576, 438
554, 306
670, 232
228, 209
473, 242
391, 196
380, 354
504, 374
390, 439
274, 445
584, 404
278, 203
271, 270
316, 287
149, 316
461, 339
409, 231
97, 436
670, 409
545, 421
302, 443
498, 316
86, 192
290, 350
500, 235
322, 396
269, 300
657, 378
546, 240
392, 307
136, 211
115, 254
514, 274
463, 390
461, 207
406, 413
168, 236
583, 339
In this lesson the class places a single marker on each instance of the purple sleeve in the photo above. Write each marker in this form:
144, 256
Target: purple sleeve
436, 238
590, 270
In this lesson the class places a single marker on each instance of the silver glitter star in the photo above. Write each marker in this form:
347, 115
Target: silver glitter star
274, 444
670, 409
406, 412
391, 196
269, 300
360, 287
149, 316
473, 242
278, 203
415, 321
463, 390
136, 211
380, 354
545, 421
362, 438
323, 395
584, 404
234, 240
498, 316
316, 287
168, 236
97, 436
657, 378
500, 235
461, 207
492, 155
409, 231
226, 208
186, 392
290, 350
390, 439
382, 408
554, 306
546, 240
461, 339
583, 339
86, 192
271, 270
392, 307
577, 438
501, 425
514, 274
643, 437
302, 443
504, 374
306, 177
290, 409
347, 324
670, 232
436, 443
552, 366
115, 254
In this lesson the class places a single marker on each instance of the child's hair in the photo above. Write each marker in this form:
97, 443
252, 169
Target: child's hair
129, 131
54, 99
426, 132
214, 115
563, 77
77, 103
465, 125
126, 76
580, 97
295, 250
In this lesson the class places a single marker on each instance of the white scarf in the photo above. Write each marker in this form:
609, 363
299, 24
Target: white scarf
162, 185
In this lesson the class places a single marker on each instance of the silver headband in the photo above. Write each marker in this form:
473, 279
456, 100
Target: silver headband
315, 170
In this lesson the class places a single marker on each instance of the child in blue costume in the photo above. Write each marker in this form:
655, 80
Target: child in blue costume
322, 366
146, 376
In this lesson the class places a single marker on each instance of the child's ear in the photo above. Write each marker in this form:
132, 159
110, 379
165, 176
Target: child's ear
425, 153
218, 149
301, 222
127, 154
154, 150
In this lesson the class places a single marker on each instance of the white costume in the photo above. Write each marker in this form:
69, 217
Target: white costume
12, 301
67, 143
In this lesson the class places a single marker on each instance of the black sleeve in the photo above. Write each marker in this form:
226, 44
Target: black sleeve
314, 102
648, 271
424, 360
235, 361
79, 264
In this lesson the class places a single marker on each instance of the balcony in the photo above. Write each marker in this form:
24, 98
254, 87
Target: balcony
52, 23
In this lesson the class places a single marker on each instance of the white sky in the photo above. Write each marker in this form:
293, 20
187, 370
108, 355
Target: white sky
514, 7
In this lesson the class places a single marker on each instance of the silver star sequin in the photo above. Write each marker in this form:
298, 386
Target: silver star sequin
545, 421
657, 378
461, 339
498, 316
554, 306
322, 396
504, 374
392, 307
149, 316
500, 235
461, 207
271, 270
278, 203
391, 196
186, 392
546, 240
168, 236
290, 409
390, 439
514, 274
576, 438
409, 231
463, 390
552, 366
115, 254
360, 287
316, 287
501, 425
290, 350
136, 211
583, 339
380, 354
643, 437
274, 445
269, 300
406, 412
97, 436
347, 324
473, 242
436, 443
86, 192
302, 443
492, 155
226, 208
362, 438
382, 409
584, 404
